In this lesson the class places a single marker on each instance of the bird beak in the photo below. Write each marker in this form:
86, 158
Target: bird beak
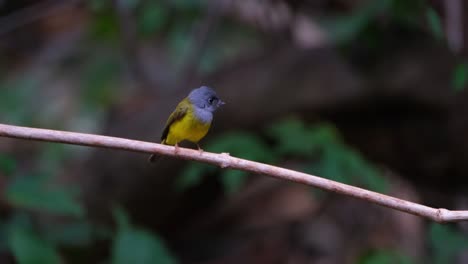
220, 103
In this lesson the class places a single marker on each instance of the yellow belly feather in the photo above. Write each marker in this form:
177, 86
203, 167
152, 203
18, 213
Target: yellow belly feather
187, 128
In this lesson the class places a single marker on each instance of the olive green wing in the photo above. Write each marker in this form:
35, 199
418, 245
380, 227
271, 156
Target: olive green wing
180, 111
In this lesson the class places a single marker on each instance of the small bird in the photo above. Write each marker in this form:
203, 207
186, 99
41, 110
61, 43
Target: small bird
191, 119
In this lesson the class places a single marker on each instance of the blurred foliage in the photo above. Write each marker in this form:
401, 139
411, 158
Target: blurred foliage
34, 193
99, 81
343, 29
135, 245
7, 165
325, 153
152, 18
446, 243
385, 257
32, 241
460, 76
28, 247
434, 23
45, 217
330, 156
13, 94
235, 143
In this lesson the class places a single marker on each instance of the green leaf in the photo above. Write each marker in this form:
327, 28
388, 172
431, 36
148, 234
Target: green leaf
34, 193
435, 25
99, 81
51, 158
385, 257
192, 176
134, 245
446, 243
29, 248
233, 180
460, 77
17, 100
292, 137
331, 157
343, 29
7, 164
76, 234
408, 12
240, 144
3, 236
98, 5
104, 25
153, 16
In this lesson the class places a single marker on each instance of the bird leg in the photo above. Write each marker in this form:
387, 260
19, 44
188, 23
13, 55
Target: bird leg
199, 148
176, 148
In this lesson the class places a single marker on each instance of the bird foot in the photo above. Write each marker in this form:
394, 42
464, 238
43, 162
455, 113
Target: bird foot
200, 150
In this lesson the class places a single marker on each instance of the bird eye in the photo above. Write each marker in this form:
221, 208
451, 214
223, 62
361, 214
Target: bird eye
211, 100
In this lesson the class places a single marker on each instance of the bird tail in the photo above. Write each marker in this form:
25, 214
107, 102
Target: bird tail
153, 158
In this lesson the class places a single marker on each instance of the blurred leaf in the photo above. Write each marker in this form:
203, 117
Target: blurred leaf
105, 25
3, 237
178, 41
7, 164
409, 12
34, 193
29, 248
333, 158
74, 234
193, 175
343, 29
134, 245
446, 243
297, 139
17, 98
460, 76
243, 145
233, 180
98, 5
292, 137
240, 144
51, 158
340, 163
153, 16
226, 45
385, 257
435, 25
100, 78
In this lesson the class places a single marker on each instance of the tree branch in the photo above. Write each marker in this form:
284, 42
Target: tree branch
224, 160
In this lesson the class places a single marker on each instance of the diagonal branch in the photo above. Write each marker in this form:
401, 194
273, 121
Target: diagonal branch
224, 160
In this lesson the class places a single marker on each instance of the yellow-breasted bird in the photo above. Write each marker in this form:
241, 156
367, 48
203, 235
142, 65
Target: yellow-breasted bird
191, 119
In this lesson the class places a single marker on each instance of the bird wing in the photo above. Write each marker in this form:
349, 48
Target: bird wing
180, 111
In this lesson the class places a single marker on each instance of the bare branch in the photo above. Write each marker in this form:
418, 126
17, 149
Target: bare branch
224, 160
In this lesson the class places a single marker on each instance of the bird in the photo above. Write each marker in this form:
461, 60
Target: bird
191, 119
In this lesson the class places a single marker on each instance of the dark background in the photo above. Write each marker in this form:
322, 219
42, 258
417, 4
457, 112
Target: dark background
369, 93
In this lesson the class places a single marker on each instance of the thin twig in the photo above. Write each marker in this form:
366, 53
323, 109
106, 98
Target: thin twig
225, 161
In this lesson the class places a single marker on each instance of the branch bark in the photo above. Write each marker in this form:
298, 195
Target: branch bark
225, 161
